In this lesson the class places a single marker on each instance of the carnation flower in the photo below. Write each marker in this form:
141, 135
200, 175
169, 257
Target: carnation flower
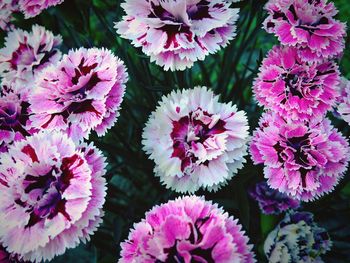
31, 8
82, 92
176, 33
7, 7
303, 159
270, 200
195, 141
343, 102
188, 229
307, 25
293, 88
297, 238
6, 257
14, 120
27, 53
52, 192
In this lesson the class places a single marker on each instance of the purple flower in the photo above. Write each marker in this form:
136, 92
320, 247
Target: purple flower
14, 120
272, 201
307, 25
303, 159
31, 8
196, 141
52, 193
296, 89
80, 93
297, 238
188, 229
176, 33
25, 54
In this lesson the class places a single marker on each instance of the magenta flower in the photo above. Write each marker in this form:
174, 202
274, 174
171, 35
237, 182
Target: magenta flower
343, 102
82, 92
6, 257
188, 229
14, 120
272, 201
293, 88
176, 33
31, 8
196, 141
307, 25
7, 7
27, 53
52, 192
303, 159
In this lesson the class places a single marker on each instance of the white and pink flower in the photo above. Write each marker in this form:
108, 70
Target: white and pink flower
196, 141
27, 53
80, 93
187, 229
52, 193
175, 34
304, 159
31, 8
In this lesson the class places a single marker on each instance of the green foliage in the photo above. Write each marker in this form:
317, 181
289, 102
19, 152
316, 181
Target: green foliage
132, 187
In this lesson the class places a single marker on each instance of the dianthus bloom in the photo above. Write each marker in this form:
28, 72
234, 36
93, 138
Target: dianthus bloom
293, 88
80, 93
14, 120
303, 159
27, 53
307, 25
6, 257
272, 201
7, 7
297, 238
31, 8
188, 229
176, 33
195, 141
343, 107
52, 193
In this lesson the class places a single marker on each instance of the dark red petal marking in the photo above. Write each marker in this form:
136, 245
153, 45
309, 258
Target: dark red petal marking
29, 150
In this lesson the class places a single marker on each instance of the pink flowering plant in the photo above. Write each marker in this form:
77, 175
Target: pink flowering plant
159, 131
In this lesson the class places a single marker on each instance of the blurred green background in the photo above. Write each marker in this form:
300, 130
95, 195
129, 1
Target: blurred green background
132, 188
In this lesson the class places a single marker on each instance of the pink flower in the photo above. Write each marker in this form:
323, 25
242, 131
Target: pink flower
307, 25
14, 120
7, 7
52, 192
27, 53
6, 257
188, 229
82, 92
196, 141
343, 102
176, 33
293, 88
31, 8
303, 159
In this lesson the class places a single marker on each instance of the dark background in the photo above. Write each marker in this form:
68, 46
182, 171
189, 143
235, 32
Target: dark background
132, 188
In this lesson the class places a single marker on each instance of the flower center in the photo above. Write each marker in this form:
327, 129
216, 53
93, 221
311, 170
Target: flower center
197, 138
45, 192
24, 55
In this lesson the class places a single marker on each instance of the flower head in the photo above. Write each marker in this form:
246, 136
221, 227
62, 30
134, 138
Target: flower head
27, 53
307, 25
31, 8
195, 141
176, 33
80, 93
14, 120
188, 229
343, 102
297, 238
303, 159
52, 192
293, 88
272, 201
